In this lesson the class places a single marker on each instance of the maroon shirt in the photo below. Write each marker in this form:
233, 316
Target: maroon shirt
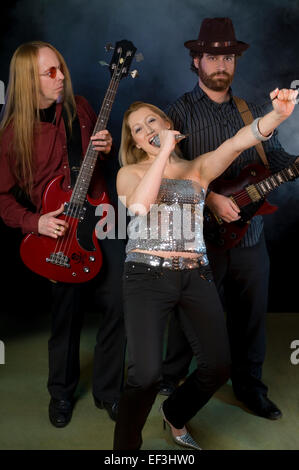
50, 160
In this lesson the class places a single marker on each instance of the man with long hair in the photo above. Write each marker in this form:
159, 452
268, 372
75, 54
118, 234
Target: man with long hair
44, 128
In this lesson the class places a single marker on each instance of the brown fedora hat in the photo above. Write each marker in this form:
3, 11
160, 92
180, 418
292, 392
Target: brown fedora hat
217, 36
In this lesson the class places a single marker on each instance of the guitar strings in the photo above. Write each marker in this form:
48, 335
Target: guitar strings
257, 191
72, 215
243, 197
63, 245
78, 207
268, 184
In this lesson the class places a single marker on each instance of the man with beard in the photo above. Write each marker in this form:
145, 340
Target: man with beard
210, 115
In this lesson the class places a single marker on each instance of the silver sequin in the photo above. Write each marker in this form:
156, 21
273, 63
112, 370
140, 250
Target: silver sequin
174, 223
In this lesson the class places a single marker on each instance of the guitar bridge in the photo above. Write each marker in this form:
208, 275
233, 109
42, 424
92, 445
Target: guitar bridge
59, 259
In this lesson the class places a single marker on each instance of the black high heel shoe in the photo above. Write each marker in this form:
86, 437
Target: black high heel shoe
185, 440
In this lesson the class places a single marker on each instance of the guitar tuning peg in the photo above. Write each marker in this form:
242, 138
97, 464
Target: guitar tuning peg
103, 63
109, 47
134, 73
139, 57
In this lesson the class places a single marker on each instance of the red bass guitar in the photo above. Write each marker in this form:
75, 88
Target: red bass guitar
248, 192
76, 257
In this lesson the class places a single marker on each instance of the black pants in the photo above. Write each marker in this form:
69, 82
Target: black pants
69, 304
150, 294
241, 277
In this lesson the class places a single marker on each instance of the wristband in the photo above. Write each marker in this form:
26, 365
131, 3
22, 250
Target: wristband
256, 132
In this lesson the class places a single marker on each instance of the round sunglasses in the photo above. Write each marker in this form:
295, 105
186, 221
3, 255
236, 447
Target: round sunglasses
52, 72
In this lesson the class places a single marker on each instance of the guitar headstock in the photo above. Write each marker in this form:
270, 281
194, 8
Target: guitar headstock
124, 52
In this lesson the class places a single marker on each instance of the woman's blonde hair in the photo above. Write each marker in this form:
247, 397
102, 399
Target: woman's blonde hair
22, 107
128, 152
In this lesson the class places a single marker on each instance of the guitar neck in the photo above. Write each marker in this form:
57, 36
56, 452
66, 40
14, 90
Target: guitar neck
90, 159
124, 52
260, 190
107, 105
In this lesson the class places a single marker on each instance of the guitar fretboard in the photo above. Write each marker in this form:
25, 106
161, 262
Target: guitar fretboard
88, 165
89, 162
272, 182
260, 190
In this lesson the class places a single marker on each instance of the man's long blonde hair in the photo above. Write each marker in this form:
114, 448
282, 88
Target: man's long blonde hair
22, 108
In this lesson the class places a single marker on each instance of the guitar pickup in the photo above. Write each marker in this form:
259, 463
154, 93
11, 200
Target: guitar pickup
253, 193
74, 210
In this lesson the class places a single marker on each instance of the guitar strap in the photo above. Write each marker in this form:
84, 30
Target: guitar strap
248, 119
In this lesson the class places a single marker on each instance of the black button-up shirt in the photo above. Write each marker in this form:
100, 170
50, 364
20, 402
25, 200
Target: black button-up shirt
209, 124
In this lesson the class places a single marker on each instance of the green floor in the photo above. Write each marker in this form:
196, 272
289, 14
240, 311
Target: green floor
222, 424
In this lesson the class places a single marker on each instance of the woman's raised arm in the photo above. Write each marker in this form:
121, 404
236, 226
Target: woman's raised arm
213, 164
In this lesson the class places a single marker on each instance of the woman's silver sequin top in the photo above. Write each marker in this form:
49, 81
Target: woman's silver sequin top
174, 222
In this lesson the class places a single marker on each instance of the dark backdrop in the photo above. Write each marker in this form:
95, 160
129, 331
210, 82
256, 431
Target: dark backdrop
80, 29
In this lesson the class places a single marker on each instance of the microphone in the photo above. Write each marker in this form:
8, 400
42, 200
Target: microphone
178, 137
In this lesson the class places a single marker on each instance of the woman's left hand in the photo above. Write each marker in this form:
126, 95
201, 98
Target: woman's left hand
284, 101
102, 141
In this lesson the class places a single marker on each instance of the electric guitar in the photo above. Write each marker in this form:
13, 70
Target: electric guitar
76, 257
248, 192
